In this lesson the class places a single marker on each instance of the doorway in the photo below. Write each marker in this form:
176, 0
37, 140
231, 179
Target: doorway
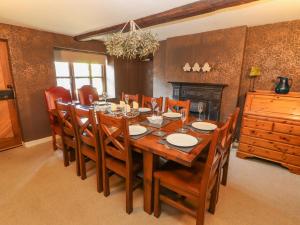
10, 134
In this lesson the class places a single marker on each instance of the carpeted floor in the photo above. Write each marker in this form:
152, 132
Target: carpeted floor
35, 189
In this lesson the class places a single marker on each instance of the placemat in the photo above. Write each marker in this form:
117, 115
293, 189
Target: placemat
183, 149
198, 130
136, 137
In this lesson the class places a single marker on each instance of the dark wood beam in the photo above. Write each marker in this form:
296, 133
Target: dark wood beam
182, 12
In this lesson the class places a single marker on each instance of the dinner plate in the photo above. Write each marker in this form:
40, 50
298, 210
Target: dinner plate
182, 140
204, 126
144, 110
137, 130
172, 115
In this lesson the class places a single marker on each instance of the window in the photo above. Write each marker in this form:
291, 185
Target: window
75, 69
74, 76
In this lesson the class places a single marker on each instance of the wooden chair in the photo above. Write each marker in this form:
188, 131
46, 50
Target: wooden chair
146, 102
84, 92
68, 134
117, 155
88, 141
51, 95
227, 145
131, 97
176, 105
193, 183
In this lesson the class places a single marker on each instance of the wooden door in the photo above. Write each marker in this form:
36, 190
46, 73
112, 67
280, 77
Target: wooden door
10, 135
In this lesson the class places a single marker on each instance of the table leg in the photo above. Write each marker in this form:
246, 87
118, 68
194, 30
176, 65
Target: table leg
148, 174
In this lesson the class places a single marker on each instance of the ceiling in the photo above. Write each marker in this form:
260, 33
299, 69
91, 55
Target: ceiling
73, 17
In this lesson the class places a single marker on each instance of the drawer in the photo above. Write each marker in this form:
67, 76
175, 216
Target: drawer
287, 128
272, 145
291, 159
273, 136
261, 152
258, 124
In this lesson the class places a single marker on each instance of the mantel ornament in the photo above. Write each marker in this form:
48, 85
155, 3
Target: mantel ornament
197, 68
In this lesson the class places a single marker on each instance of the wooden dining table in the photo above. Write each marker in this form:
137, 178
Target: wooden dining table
152, 149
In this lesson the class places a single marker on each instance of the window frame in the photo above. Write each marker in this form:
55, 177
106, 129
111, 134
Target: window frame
72, 76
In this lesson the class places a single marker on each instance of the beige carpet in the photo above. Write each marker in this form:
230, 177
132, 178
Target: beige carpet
35, 189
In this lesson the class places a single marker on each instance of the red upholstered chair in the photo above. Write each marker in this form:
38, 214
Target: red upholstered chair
84, 92
51, 95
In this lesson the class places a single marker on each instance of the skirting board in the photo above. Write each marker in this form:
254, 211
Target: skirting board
37, 142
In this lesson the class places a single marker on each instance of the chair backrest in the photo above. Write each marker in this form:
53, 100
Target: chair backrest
146, 102
114, 137
85, 126
53, 93
84, 92
63, 111
131, 97
214, 157
177, 105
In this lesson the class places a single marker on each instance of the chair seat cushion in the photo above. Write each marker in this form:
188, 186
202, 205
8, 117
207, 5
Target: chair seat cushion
119, 166
175, 175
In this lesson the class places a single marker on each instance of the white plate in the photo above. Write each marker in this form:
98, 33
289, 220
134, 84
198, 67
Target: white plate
137, 130
182, 140
204, 126
144, 109
172, 114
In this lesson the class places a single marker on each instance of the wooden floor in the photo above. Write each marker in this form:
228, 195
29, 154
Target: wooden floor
36, 189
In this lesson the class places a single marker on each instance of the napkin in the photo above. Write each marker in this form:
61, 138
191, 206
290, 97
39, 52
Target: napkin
155, 119
122, 104
127, 108
113, 107
135, 105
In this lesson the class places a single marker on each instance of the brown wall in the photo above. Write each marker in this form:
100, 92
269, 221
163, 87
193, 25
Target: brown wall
222, 49
31, 54
133, 77
275, 48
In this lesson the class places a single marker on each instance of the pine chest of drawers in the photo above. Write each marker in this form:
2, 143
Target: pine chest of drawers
271, 128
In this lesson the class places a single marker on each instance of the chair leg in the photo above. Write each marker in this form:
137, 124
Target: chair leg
54, 141
157, 204
214, 198
201, 212
72, 154
66, 156
106, 189
77, 162
225, 172
99, 175
129, 194
82, 166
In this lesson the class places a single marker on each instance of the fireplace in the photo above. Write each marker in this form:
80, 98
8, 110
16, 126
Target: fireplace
209, 94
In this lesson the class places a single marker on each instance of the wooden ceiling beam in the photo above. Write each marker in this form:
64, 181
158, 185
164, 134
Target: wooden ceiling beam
181, 12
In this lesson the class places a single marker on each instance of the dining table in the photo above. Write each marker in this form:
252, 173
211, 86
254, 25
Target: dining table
152, 148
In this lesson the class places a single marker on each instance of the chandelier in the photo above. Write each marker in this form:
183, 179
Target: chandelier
133, 44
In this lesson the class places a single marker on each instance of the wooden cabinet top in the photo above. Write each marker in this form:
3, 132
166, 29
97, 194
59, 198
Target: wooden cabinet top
270, 104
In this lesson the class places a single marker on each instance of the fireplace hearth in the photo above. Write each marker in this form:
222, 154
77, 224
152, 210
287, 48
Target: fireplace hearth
209, 94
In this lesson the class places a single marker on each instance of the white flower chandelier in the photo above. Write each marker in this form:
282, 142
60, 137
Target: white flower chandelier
134, 44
